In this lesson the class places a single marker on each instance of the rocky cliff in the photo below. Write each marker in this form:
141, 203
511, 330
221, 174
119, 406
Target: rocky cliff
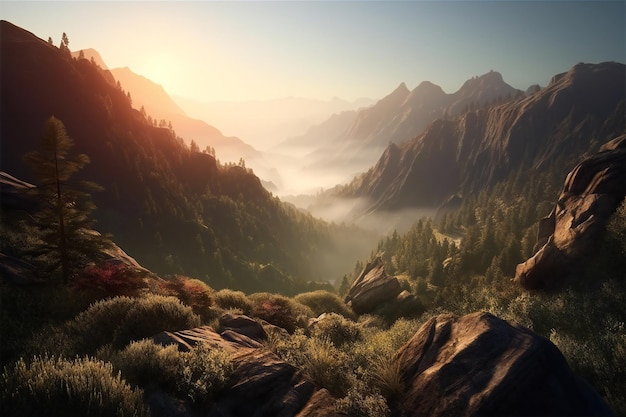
578, 112
592, 192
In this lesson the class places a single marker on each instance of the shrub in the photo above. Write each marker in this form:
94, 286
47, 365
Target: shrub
144, 363
199, 374
229, 299
110, 280
337, 329
280, 311
79, 387
121, 320
360, 401
325, 302
192, 292
327, 366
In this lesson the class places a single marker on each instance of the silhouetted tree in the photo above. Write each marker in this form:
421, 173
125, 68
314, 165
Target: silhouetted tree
64, 218
65, 44
50, 41
81, 54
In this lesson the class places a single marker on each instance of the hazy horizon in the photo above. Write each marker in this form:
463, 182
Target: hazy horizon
241, 51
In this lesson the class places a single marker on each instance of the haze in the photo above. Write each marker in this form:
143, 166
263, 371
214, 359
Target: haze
267, 72
215, 51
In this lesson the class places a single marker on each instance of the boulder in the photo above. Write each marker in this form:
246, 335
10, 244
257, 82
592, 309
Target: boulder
188, 339
261, 385
372, 288
592, 192
243, 325
480, 365
321, 404
264, 386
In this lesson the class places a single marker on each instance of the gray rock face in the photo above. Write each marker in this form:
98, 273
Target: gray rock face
479, 365
372, 288
592, 192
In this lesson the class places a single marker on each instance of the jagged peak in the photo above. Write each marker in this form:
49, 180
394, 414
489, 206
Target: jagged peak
402, 88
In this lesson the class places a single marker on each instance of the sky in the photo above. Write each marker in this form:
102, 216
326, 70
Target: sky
237, 51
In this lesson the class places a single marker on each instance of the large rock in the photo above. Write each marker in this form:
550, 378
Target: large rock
261, 384
479, 365
372, 288
592, 192
243, 325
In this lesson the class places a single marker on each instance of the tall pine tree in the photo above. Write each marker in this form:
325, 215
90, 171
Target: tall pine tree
64, 219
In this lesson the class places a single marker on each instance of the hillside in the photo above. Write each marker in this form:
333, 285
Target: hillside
549, 130
174, 210
160, 106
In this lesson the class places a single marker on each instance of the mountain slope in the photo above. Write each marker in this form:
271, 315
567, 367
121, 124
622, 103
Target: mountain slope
576, 113
174, 210
146, 93
396, 118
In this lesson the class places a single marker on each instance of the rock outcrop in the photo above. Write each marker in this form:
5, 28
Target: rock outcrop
481, 365
592, 192
262, 384
372, 288
479, 148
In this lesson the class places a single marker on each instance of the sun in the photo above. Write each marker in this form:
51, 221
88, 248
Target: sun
162, 69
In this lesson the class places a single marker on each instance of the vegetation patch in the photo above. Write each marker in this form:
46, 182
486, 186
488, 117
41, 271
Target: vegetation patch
52, 386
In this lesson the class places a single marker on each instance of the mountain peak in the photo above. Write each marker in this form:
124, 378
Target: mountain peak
401, 90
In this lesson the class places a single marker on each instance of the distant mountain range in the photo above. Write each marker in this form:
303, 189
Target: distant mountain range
266, 123
350, 142
574, 115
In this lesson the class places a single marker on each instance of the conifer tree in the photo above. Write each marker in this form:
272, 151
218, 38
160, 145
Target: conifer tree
64, 218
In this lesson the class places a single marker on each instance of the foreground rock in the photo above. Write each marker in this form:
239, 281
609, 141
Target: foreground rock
262, 384
479, 365
372, 288
592, 192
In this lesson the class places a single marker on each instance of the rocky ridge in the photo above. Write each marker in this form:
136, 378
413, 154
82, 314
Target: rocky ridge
592, 192
576, 113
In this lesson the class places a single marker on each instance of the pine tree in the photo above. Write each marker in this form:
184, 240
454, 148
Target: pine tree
64, 218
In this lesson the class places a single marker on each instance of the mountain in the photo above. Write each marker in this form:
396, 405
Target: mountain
174, 210
350, 143
575, 114
147, 94
267, 122
90, 54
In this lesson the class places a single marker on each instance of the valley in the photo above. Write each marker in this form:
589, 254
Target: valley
422, 254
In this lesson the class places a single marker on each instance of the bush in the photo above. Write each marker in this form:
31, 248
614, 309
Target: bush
337, 329
325, 302
56, 386
327, 366
280, 311
110, 280
120, 320
199, 374
361, 402
192, 292
233, 300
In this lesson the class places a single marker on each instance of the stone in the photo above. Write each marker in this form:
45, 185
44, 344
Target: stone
264, 386
321, 404
243, 325
592, 192
480, 365
372, 288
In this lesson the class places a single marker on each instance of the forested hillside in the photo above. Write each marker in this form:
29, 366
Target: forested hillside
174, 209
